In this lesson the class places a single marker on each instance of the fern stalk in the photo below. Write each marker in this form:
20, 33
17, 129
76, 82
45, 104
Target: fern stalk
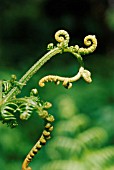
10, 105
31, 72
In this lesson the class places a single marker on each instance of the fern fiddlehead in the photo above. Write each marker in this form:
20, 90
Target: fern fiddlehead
44, 137
12, 108
63, 38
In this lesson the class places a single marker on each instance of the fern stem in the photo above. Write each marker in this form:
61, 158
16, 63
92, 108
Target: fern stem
62, 37
78, 56
31, 72
38, 65
0, 90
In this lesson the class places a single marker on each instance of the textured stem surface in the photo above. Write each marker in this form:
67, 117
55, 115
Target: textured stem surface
41, 142
31, 72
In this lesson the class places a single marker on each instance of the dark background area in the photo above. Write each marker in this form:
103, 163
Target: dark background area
26, 28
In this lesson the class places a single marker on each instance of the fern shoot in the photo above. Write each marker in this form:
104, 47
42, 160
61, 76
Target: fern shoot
12, 107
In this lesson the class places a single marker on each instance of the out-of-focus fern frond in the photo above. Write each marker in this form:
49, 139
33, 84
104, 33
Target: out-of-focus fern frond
93, 137
66, 147
101, 158
110, 168
64, 165
63, 148
78, 145
73, 126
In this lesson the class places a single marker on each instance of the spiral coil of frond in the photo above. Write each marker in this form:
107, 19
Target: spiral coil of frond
62, 37
23, 108
88, 40
12, 108
44, 137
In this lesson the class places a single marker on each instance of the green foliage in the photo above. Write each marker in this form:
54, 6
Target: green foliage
78, 144
25, 34
13, 108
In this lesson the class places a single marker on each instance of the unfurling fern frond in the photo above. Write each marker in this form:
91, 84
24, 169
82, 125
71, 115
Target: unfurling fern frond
13, 108
62, 37
67, 81
90, 41
8, 114
42, 141
22, 108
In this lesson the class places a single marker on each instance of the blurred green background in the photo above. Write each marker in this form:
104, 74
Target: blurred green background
26, 27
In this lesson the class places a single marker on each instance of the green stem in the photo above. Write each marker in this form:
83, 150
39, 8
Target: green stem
0, 90
31, 72
78, 56
38, 65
